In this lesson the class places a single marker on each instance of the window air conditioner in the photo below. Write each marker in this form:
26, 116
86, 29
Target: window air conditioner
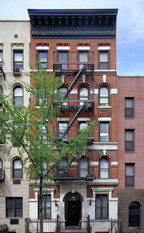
17, 71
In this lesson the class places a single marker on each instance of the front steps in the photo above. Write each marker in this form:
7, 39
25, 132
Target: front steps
73, 230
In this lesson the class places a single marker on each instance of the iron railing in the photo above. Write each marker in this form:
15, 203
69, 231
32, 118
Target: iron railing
33, 225
72, 62
88, 224
58, 224
74, 173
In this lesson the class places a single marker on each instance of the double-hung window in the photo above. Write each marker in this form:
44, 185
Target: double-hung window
1, 168
103, 60
129, 107
104, 131
83, 58
17, 171
104, 95
43, 58
83, 94
1, 58
46, 204
104, 168
83, 167
101, 209
18, 96
18, 58
129, 140
63, 60
134, 214
129, 175
62, 127
14, 207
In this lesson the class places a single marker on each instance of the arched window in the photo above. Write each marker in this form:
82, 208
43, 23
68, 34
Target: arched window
134, 214
104, 95
62, 92
1, 167
62, 168
17, 169
83, 94
83, 167
18, 96
104, 168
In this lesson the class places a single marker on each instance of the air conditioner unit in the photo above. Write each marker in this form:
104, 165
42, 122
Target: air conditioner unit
17, 71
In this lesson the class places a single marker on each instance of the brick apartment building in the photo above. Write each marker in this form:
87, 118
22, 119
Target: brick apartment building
80, 45
106, 184
130, 153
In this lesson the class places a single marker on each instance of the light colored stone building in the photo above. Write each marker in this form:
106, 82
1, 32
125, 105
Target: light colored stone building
14, 62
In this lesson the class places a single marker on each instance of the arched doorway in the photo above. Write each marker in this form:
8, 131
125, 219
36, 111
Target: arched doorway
72, 210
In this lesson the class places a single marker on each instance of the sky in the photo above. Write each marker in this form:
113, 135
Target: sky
130, 25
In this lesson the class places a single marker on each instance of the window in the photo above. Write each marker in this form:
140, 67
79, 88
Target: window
14, 207
1, 168
83, 167
103, 60
62, 127
18, 58
129, 107
104, 132
43, 58
18, 96
129, 175
104, 168
129, 140
104, 95
1, 58
101, 206
62, 92
42, 97
83, 94
17, 169
43, 133
134, 214
46, 202
82, 125
62, 167
63, 60
2, 136
83, 58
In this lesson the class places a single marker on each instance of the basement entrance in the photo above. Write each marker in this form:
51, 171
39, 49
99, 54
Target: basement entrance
73, 210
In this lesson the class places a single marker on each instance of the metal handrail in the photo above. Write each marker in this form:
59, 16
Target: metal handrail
58, 224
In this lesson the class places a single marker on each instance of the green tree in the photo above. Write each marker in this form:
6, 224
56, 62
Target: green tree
31, 129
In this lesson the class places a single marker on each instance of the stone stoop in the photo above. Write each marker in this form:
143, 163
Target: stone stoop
73, 231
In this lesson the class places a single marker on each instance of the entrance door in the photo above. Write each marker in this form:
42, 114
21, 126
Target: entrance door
73, 210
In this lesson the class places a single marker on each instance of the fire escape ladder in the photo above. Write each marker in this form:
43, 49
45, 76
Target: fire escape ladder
73, 120
74, 81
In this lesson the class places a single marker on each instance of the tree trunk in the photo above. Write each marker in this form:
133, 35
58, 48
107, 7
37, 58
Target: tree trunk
40, 205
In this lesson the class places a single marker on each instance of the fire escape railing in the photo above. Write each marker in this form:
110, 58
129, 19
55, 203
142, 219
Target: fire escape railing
2, 72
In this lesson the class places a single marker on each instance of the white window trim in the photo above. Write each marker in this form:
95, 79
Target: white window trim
114, 91
84, 119
104, 48
42, 48
83, 48
63, 119
63, 48
104, 119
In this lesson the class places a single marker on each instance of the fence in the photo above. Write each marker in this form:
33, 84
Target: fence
33, 225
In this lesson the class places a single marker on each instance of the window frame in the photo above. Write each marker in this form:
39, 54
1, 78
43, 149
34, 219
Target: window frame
62, 122
132, 177
104, 122
132, 221
44, 208
100, 52
1, 167
83, 52
14, 207
22, 97
101, 206
83, 169
108, 97
65, 103
132, 99
101, 169
20, 169
133, 141
46, 63
87, 97
63, 66
18, 51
